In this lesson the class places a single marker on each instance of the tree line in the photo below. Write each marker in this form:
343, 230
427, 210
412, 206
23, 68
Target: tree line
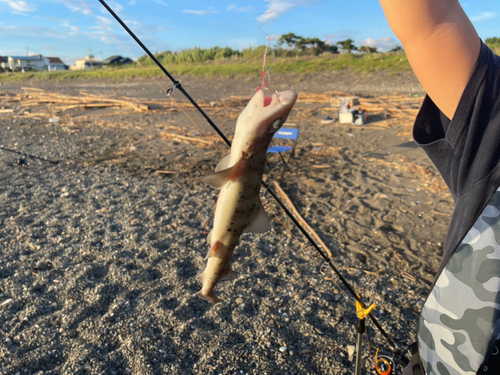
315, 46
288, 45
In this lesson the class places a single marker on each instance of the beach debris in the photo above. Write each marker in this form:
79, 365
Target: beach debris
297, 216
6, 302
239, 175
351, 349
283, 349
327, 120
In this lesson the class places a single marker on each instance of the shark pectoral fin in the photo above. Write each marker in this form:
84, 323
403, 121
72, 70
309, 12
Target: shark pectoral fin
229, 275
261, 223
219, 179
224, 163
217, 246
208, 296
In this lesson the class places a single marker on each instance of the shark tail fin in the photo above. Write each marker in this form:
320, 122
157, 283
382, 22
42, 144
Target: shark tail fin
208, 296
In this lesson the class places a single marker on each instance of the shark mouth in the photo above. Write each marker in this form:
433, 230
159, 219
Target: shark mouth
267, 100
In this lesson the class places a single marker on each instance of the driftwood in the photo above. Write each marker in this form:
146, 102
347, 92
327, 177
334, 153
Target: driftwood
38, 102
299, 218
182, 137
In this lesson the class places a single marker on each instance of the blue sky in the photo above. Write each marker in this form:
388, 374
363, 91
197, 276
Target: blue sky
65, 28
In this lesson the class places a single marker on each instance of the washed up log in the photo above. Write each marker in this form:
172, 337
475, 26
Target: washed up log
191, 139
43, 98
322, 166
299, 218
165, 172
32, 89
6, 110
94, 105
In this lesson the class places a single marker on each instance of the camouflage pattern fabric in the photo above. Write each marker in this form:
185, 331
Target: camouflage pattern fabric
460, 321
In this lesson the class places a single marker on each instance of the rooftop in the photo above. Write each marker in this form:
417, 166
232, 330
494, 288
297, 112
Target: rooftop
55, 60
26, 57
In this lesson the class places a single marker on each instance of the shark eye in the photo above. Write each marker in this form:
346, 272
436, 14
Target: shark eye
276, 125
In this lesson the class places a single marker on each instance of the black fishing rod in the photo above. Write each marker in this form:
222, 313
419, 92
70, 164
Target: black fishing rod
177, 84
28, 155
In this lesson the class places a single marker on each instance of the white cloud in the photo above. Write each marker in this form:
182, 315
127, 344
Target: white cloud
19, 6
117, 7
102, 35
332, 39
132, 2
277, 8
106, 21
200, 12
131, 22
240, 9
383, 44
484, 16
73, 5
63, 22
74, 30
160, 2
32, 31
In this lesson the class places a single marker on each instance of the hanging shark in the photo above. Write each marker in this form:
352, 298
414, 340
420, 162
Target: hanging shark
238, 176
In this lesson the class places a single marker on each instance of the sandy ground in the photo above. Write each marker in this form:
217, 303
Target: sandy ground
99, 253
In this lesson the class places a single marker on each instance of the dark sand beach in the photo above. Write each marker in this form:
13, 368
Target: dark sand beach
99, 253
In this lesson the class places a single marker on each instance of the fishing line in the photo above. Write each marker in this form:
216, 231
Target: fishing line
395, 349
265, 69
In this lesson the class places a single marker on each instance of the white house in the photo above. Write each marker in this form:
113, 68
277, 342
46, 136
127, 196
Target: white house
27, 62
55, 63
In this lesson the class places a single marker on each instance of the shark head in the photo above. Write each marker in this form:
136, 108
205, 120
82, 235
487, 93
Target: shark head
261, 118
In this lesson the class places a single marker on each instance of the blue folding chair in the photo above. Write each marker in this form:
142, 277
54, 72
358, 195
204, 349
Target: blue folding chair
291, 133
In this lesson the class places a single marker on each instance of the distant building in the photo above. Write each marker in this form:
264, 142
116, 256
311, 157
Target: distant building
4, 63
37, 62
55, 63
117, 60
86, 63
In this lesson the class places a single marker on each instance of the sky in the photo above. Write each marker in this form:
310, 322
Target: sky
67, 29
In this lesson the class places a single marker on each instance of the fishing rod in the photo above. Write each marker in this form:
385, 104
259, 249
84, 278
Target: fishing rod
177, 84
28, 155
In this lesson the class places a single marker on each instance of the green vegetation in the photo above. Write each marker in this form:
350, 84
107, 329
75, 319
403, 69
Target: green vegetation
392, 62
493, 42
293, 54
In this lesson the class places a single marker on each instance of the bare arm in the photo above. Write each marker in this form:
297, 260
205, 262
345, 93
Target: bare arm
441, 44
